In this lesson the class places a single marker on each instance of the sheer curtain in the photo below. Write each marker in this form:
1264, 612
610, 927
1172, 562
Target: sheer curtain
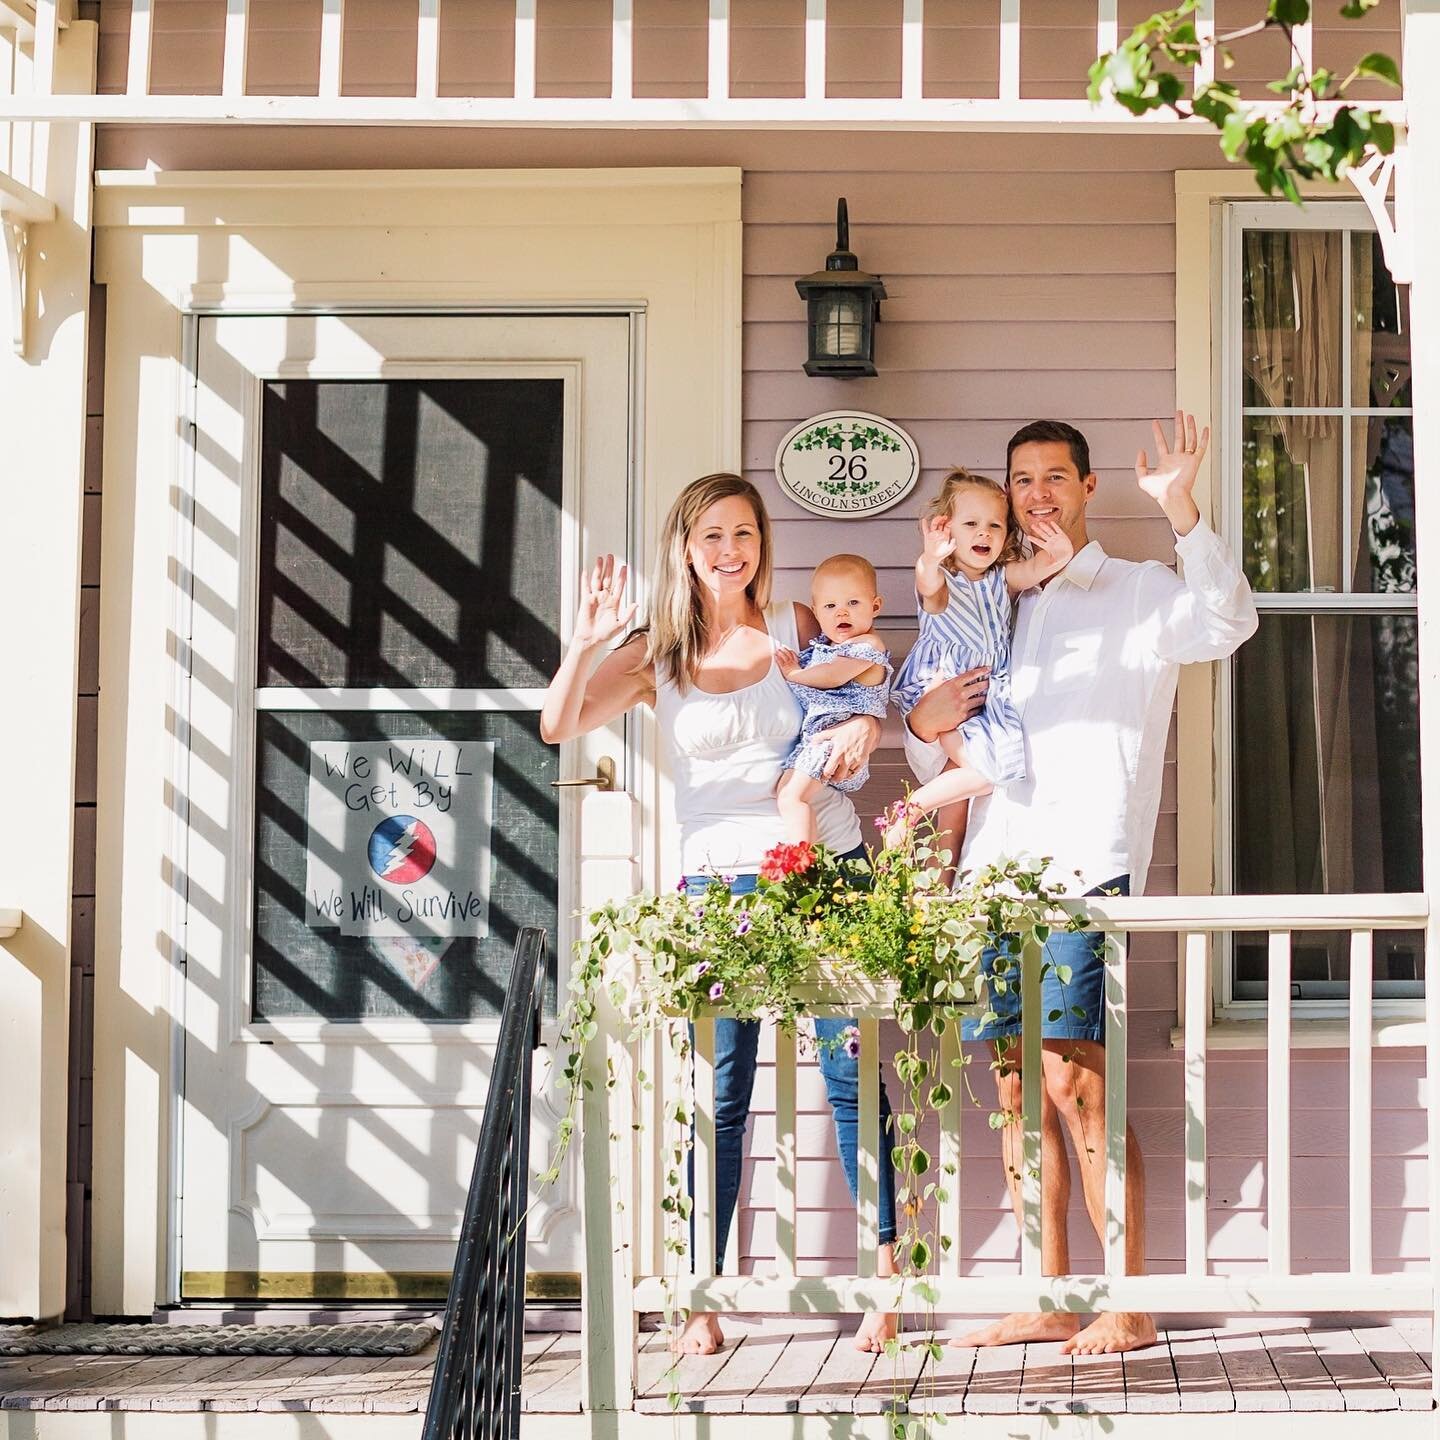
1296, 770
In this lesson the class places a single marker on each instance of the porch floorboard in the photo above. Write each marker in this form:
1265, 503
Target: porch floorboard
1287, 1367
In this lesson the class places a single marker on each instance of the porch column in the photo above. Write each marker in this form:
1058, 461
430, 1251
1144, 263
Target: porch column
42, 432
1422, 104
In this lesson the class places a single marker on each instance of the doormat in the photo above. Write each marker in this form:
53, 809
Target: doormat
396, 1338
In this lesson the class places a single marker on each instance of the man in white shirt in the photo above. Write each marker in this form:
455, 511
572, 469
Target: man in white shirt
1093, 670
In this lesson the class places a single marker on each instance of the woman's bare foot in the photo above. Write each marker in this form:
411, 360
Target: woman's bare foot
1112, 1333
1019, 1329
875, 1331
701, 1336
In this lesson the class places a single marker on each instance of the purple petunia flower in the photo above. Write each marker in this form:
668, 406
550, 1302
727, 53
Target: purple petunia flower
743, 928
728, 879
717, 989
703, 968
851, 1036
699, 912
680, 886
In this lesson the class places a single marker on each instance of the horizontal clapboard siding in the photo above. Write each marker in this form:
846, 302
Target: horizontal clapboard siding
1026, 275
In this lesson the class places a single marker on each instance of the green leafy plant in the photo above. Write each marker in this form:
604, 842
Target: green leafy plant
1304, 139
667, 959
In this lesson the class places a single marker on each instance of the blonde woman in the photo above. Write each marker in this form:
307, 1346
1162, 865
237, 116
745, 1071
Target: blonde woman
706, 665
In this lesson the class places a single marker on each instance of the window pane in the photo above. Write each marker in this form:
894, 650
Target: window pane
381, 958
410, 532
1293, 328
1292, 526
1327, 780
1380, 358
1385, 545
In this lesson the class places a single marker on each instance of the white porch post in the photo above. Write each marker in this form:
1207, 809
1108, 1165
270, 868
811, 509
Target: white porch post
1421, 61
42, 420
609, 842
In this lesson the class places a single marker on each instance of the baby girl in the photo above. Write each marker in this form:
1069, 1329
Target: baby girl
844, 672
969, 571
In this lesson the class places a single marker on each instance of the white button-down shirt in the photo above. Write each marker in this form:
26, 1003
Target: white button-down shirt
1093, 672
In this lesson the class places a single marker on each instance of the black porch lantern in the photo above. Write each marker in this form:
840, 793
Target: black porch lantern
844, 304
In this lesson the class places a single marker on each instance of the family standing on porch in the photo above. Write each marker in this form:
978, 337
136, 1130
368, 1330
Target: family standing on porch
768, 715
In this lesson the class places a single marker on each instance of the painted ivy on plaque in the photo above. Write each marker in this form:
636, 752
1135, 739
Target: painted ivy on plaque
847, 462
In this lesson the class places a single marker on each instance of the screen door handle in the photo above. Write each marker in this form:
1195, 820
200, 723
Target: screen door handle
602, 779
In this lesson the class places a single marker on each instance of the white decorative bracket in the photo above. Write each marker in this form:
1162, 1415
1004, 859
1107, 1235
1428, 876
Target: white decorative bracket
20, 208
1373, 180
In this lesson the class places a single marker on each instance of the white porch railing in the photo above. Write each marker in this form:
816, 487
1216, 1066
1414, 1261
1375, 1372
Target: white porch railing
630, 1153
908, 107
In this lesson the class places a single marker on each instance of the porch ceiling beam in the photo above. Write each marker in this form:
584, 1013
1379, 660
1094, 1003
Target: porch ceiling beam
19, 16
600, 113
9, 922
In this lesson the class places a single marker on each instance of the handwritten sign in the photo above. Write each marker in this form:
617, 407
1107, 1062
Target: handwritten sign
847, 462
399, 836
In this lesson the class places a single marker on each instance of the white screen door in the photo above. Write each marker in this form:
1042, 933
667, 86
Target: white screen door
389, 513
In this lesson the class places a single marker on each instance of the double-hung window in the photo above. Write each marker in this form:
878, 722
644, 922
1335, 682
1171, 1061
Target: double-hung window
1321, 782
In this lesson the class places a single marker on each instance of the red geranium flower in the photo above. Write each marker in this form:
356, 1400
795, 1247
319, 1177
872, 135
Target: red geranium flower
784, 860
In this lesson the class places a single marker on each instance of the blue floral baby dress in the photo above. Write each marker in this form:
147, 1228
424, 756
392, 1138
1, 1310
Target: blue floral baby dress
973, 629
824, 708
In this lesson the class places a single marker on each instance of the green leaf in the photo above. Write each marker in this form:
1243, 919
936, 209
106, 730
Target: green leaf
920, 1254
1355, 9
1382, 67
1290, 12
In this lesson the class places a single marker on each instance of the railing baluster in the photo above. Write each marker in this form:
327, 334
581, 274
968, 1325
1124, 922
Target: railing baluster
1362, 965
47, 37
912, 51
1107, 26
1031, 1081
1117, 952
622, 49
1197, 1024
525, 49
1277, 1164
814, 49
718, 64
867, 1147
332, 46
703, 1258
427, 50
654, 1054
785, 1153
237, 46
948, 1218
1009, 49
137, 78
1205, 33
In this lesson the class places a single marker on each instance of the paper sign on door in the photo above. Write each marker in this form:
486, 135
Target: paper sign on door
399, 836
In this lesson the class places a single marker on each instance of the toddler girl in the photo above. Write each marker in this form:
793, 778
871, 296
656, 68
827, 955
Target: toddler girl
969, 571
844, 672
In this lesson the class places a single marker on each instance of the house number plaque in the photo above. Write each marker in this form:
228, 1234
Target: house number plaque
847, 462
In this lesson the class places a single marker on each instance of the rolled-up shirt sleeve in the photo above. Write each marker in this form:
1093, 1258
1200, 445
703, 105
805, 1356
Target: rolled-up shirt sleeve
925, 757
1208, 612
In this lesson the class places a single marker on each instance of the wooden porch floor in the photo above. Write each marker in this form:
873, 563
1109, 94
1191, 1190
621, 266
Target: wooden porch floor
1285, 1367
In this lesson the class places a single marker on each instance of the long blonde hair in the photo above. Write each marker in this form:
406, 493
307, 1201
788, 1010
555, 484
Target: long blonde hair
943, 503
677, 637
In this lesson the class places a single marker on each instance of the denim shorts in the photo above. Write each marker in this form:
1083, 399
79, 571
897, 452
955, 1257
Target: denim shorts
1084, 953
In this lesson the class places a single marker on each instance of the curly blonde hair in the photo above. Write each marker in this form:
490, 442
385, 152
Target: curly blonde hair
942, 506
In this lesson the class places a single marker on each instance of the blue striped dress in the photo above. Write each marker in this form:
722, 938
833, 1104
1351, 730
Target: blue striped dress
973, 629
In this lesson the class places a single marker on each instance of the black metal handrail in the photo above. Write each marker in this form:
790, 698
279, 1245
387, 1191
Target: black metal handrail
475, 1391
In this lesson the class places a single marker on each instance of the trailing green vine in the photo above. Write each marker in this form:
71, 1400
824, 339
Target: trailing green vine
665, 960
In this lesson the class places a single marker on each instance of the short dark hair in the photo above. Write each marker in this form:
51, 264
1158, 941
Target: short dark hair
1047, 432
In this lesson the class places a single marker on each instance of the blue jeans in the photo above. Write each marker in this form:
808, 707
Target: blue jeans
1084, 952
736, 1045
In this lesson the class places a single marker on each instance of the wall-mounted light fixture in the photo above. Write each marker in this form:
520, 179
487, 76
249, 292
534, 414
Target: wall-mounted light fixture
844, 304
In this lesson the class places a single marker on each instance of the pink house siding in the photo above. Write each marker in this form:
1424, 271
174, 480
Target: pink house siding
1027, 276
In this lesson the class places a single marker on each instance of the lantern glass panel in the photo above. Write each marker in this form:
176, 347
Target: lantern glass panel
839, 325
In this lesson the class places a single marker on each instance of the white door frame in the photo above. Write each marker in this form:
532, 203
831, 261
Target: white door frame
170, 245
251, 701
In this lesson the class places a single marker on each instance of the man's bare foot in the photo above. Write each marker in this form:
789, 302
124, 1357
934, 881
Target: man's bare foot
1019, 1329
875, 1330
1112, 1333
701, 1336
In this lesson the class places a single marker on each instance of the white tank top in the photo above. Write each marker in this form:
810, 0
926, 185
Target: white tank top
725, 753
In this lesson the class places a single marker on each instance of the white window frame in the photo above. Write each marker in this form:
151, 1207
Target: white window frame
1350, 217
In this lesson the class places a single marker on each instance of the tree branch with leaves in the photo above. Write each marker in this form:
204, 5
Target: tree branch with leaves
1309, 137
